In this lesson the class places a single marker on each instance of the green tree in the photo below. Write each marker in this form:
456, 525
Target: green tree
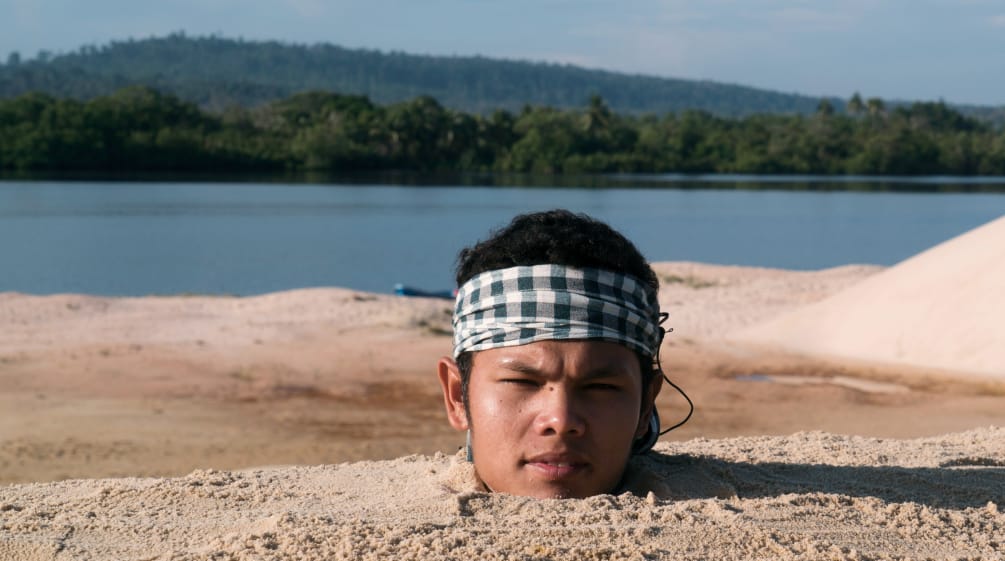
855, 105
825, 108
139, 128
546, 138
875, 107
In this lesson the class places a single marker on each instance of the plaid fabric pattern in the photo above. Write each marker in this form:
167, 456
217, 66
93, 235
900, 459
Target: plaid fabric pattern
523, 304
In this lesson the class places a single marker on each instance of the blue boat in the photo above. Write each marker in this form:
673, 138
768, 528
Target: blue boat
402, 290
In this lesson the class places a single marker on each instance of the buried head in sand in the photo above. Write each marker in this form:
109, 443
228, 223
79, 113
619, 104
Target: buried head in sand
554, 371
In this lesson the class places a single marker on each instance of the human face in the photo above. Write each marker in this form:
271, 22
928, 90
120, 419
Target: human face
551, 419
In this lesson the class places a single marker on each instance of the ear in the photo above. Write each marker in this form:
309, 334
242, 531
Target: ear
648, 403
453, 399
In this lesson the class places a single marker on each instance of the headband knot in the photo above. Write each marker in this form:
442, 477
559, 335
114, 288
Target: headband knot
528, 303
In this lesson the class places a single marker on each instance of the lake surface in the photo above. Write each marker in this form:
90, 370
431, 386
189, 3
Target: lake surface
141, 238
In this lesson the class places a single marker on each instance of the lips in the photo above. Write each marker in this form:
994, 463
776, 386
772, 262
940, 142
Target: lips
556, 466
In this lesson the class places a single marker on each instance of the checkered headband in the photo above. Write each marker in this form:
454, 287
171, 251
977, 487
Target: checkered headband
524, 304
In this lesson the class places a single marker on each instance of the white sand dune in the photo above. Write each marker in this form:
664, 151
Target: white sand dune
941, 309
806, 496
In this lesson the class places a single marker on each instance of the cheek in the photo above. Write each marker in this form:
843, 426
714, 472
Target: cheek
616, 414
490, 407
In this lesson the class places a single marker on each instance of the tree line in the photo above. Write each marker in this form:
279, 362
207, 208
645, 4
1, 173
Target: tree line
142, 129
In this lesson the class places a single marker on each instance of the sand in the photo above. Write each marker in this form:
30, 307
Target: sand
941, 309
141, 428
810, 495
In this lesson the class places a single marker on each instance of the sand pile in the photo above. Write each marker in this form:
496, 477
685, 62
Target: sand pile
707, 302
806, 496
941, 309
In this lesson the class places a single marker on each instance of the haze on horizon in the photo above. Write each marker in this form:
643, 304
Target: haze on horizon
894, 49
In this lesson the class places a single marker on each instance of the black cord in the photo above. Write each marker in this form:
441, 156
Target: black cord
663, 331
689, 402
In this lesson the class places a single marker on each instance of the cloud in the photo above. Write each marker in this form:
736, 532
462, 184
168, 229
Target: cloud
997, 20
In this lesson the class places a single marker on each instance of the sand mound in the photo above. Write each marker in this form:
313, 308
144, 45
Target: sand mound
707, 302
808, 496
941, 309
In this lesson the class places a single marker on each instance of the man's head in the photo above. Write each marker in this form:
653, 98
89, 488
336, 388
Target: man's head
556, 330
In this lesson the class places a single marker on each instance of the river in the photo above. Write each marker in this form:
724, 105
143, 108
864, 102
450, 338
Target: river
163, 237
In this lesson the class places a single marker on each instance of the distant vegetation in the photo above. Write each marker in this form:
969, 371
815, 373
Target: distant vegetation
141, 129
217, 73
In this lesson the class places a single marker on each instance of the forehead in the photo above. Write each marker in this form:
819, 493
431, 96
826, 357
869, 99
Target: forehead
551, 357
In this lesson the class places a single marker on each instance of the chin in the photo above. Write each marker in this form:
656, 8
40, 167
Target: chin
560, 492
555, 494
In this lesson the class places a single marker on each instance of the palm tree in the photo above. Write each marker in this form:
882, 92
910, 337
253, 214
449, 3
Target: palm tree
855, 105
876, 107
825, 108
598, 115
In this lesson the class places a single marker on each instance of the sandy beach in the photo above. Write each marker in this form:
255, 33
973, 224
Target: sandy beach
308, 424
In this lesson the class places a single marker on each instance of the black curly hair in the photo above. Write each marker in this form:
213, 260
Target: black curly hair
558, 237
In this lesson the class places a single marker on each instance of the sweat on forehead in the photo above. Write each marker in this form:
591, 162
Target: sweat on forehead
524, 304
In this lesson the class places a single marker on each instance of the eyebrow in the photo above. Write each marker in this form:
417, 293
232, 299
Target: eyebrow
520, 367
523, 368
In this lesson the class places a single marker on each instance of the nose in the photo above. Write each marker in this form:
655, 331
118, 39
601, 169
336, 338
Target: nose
558, 414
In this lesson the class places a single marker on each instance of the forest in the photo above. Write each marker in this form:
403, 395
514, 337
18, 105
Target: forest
141, 129
216, 73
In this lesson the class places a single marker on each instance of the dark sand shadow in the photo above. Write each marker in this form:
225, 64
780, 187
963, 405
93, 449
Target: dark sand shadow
959, 484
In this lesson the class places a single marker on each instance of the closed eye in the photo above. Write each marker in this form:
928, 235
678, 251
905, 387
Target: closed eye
603, 387
520, 382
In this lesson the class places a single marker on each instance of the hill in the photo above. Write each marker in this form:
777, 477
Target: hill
216, 73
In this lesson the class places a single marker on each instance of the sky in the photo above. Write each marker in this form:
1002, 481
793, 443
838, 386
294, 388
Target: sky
895, 49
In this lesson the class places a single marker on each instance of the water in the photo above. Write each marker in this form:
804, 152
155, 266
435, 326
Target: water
242, 238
